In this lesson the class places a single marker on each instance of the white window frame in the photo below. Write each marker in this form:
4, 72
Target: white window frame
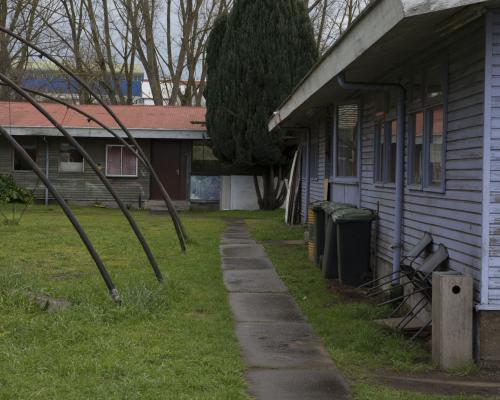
120, 176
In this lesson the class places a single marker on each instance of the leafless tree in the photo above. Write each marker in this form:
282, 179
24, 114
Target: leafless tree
26, 17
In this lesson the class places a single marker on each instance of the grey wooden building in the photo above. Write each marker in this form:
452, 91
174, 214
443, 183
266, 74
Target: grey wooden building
402, 116
171, 136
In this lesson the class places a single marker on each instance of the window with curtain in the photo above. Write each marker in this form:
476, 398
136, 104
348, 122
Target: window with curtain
120, 162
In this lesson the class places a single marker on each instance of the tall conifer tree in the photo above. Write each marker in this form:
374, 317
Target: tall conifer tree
255, 57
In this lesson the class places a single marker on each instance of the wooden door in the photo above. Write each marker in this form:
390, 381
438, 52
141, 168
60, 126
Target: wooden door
170, 161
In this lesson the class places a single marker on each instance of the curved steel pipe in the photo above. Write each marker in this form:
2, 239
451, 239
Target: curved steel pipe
181, 233
74, 221
96, 169
145, 162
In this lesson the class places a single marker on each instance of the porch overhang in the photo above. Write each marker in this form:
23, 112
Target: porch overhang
101, 133
383, 36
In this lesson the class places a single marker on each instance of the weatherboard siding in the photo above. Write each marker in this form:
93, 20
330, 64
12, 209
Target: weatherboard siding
79, 187
316, 184
491, 275
454, 216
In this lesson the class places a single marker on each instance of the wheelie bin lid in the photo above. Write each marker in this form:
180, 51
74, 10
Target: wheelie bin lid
331, 207
319, 205
352, 215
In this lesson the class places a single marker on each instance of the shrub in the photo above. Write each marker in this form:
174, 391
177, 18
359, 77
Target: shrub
13, 196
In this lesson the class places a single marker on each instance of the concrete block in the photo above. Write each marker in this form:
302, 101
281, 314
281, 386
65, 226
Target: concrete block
489, 339
452, 313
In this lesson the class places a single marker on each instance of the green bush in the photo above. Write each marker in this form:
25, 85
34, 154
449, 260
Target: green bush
11, 196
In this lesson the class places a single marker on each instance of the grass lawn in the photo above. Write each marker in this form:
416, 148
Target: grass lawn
171, 342
358, 346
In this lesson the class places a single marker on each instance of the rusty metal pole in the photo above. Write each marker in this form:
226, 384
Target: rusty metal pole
181, 232
96, 169
74, 221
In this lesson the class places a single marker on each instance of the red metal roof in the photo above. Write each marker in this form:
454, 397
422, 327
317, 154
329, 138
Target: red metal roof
20, 114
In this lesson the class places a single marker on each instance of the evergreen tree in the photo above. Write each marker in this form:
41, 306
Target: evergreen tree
255, 57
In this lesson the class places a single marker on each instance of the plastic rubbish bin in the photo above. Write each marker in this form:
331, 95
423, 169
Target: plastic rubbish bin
329, 262
319, 229
353, 244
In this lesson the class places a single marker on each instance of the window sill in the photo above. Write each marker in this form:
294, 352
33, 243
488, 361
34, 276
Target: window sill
385, 185
429, 189
344, 180
123, 176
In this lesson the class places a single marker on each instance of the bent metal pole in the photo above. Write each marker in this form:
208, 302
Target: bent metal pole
90, 117
85, 239
181, 233
96, 169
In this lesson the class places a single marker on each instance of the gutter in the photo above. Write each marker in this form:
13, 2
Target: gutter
398, 212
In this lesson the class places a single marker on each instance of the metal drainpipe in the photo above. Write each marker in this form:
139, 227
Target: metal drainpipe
308, 176
46, 168
401, 122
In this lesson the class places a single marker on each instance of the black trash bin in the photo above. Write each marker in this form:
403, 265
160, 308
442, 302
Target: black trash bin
319, 229
329, 262
353, 245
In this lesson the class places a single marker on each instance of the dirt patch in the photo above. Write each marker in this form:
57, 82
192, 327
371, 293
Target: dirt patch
347, 294
284, 243
484, 383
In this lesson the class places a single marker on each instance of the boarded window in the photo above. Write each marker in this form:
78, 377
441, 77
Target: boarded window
120, 162
29, 145
347, 134
70, 160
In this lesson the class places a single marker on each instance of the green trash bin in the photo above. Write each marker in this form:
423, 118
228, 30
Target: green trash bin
329, 262
319, 229
353, 245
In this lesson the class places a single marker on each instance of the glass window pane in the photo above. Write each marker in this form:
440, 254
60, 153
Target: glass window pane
129, 163
205, 188
434, 84
436, 148
202, 152
29, 145
70, 160
418, 136
114, 161
380, 152
347, 140
391, 178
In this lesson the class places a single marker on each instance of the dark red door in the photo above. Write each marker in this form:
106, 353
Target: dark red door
170, 161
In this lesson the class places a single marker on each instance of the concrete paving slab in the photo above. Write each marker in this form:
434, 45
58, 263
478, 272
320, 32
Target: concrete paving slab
281, 345
237, 241
246, 263
236, 229
252, 281
264, 307
297, 384
242, 250
236, 236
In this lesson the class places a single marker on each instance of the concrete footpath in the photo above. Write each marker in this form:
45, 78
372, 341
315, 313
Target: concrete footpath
285, 358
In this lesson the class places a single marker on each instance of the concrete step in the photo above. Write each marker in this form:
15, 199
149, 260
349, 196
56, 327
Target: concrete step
159, 205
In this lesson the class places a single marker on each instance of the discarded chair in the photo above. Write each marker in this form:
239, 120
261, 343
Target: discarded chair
421, 280
406, 267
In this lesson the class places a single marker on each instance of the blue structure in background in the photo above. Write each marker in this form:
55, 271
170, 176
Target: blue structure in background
46, 78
